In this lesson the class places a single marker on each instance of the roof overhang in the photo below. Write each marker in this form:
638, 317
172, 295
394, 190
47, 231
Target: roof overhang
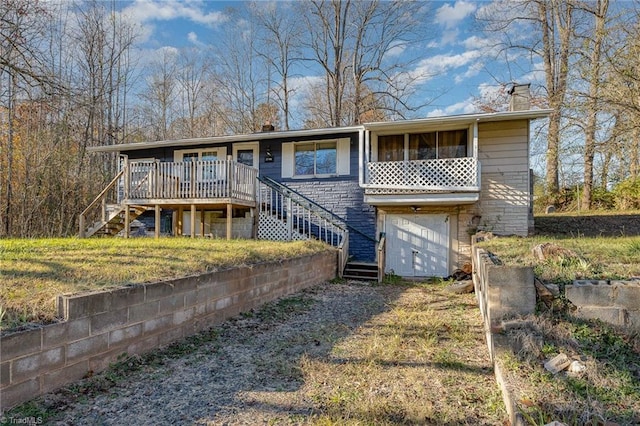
405, 125
457, 120
250, 137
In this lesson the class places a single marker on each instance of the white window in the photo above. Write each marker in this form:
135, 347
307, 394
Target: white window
207, 170
316, 158
246, 153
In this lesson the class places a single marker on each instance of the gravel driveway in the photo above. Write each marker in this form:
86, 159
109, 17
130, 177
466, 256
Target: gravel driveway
346, 353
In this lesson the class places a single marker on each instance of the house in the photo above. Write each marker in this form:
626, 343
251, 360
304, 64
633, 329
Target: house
408, 194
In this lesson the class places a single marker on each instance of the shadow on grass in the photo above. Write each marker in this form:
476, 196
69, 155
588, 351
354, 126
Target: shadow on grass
215, 374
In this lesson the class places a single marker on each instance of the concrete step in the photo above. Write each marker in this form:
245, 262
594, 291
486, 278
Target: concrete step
361, 271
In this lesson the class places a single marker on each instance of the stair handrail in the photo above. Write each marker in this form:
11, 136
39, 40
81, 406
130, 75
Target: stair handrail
98, 198
312, 205
382, 254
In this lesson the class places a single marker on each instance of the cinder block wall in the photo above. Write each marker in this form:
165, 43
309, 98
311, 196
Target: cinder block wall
98, 327
502, 291
615, 302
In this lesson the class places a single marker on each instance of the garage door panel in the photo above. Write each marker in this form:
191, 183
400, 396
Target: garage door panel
418, 245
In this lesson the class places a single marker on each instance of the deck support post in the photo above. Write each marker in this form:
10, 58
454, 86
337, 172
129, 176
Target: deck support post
254, 224
127, 221
179, 221
157, 219
193, 220
202, 222
229, 220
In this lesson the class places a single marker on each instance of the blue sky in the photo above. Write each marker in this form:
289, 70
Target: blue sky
457, 64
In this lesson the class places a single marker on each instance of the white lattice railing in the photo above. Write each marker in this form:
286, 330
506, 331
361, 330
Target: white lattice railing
188, 180
449, 174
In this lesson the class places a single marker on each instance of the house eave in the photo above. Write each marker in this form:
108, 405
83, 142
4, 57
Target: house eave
376, 126
459, 119
214, 140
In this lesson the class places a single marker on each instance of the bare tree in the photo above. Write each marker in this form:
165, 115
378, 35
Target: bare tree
352, 43
541, 29
280, 47
160, 94
191, 74
599, 10
21, 66
240, 75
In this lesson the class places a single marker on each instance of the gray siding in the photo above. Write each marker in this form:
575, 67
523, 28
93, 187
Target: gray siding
504, 198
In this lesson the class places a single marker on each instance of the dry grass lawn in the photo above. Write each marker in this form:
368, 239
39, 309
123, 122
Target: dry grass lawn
35, 271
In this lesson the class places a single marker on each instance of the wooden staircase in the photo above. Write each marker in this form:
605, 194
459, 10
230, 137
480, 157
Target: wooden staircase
115, 220
363, 271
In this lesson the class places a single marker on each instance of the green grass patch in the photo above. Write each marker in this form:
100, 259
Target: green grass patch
598, 257
35, 271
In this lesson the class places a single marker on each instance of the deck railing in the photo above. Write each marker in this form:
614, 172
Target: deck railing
448, 174
146, 180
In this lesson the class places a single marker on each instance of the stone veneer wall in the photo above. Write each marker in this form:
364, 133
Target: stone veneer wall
99, 327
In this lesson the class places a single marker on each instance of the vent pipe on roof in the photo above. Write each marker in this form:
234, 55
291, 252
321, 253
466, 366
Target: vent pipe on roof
520, 97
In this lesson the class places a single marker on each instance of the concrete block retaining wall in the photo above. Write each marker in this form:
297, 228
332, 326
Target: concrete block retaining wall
502, 291
99, 327
615, 302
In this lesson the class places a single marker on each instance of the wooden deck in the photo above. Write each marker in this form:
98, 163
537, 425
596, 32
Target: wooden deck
181, 186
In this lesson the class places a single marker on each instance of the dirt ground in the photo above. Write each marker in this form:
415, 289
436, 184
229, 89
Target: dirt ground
339, 353
588, 225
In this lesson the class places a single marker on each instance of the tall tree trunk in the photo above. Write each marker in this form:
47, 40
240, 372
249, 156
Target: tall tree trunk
555, 18
600, 13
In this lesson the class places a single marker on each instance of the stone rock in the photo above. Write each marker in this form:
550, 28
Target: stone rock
557, 363
576, 367
461, 287
546, 251
543, 293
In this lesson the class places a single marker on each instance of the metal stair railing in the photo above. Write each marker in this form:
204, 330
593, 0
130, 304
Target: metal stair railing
312, 205
300, 218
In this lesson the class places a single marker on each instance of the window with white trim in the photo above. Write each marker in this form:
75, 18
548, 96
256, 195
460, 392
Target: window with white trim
423, 146
206, 171
322, 158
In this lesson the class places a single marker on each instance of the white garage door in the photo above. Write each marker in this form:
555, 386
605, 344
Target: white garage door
418, 245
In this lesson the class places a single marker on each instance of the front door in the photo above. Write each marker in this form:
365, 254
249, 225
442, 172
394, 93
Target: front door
246, 153
417, 245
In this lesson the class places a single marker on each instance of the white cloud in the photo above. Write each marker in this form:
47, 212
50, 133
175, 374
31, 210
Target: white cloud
464, 107
450, 16
151, 10
440, 64
144, 13
193, 39
475, 42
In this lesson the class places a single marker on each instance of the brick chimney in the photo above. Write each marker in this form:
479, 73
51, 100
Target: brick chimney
520, 97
